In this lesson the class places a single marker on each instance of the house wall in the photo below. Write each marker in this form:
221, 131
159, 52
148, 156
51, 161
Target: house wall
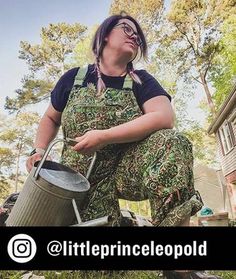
230, 178
228, 161
231, 188
233, 116
206, 182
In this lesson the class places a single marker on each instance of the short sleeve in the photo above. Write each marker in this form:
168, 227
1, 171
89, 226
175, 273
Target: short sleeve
149, 88
61, 92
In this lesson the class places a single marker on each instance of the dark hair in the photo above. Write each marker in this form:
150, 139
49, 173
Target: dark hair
99, 42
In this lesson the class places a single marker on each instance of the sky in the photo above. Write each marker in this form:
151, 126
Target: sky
22, 20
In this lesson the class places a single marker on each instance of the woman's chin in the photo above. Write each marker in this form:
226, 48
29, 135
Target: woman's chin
130, 54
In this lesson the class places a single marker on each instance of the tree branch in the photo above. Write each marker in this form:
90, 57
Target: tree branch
185, 35
211, 57
197, 80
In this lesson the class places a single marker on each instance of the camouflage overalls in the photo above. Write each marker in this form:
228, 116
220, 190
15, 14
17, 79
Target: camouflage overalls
158, 168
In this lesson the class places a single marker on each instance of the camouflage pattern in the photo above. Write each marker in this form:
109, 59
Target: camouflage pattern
157, 168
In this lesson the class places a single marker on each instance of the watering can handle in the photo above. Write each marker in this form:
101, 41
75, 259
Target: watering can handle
69, 141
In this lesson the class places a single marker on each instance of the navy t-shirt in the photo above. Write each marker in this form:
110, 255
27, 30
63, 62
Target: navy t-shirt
148, 89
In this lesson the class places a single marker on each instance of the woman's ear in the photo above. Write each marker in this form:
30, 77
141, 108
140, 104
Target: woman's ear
106, 39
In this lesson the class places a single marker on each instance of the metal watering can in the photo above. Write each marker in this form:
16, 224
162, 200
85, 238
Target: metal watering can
51, 194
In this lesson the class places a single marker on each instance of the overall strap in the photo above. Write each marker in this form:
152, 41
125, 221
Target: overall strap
79, 78
128, 82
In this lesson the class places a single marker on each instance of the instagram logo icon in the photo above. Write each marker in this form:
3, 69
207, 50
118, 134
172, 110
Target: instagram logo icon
21, 248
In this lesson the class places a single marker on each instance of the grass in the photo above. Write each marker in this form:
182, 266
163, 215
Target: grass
83, 274
101, 274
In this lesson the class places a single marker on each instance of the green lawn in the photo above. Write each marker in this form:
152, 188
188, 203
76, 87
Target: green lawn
101, 275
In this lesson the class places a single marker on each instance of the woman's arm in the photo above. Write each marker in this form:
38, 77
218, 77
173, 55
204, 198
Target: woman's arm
47, 130
48, 127
158, 114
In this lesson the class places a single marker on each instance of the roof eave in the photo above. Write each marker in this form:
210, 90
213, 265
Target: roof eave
223, 112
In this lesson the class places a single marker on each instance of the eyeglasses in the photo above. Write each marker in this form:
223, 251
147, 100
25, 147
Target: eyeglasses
128, 30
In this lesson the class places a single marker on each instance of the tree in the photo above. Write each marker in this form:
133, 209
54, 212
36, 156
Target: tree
204, 146
194, 29
223, 74
167, 74
6, 154
4, 188
32, 91
6, 162
6, 158
83, 54
17, 138
147, 12
47, 61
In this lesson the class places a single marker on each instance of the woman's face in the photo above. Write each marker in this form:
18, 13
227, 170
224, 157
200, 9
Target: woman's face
124, 39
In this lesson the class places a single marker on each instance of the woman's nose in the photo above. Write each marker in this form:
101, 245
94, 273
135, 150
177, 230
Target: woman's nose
134, 38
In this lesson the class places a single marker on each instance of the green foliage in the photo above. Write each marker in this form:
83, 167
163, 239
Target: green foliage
160, 66
5, 188
16, 139
6, 153
147, 13
124, 274
33, 91
193, 27
204, 146
46, 61
166, 73
225, 274
83, 54
6, 157
223, 74
57, 43
19, 131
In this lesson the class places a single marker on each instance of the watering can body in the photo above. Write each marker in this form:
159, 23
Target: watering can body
46, 198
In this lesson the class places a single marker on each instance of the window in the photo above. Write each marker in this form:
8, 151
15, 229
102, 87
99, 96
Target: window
226, 137
234, 122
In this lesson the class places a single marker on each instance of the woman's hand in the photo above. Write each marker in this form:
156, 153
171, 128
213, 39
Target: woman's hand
31, 160
91, 141
34, 158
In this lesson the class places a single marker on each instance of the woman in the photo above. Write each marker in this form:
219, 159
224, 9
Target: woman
126, 117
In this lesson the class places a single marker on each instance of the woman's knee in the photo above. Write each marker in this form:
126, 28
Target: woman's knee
171, 138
